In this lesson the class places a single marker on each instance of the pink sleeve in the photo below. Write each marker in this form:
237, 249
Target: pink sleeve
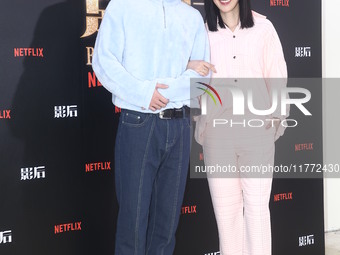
275, 72
275, 64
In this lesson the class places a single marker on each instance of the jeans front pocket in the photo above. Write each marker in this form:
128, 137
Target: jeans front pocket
134, 118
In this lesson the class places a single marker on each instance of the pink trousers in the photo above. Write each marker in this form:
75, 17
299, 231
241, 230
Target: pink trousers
240, 199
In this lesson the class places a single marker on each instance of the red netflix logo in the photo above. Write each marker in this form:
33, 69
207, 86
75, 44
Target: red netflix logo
189, 209
201, 156
98, 166
117, 109
76, 226
304, 147
283, 196
284, 3
5, 114
28, 52
93, 81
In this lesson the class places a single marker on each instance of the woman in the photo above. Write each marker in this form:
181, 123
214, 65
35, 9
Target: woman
244, 44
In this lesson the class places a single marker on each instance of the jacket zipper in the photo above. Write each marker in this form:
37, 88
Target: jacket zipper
164, 15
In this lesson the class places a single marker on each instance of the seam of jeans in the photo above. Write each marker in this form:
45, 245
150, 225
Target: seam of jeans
187, 121
118, 164
153, 227
167, 136
141, 185
174, 212
174, 135
117, 169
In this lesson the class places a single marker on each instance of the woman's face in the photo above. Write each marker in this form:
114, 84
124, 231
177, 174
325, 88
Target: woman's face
226, 6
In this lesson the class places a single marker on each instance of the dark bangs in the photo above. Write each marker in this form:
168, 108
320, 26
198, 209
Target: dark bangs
213, 16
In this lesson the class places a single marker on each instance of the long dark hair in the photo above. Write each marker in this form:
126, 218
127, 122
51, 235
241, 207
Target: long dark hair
213, 15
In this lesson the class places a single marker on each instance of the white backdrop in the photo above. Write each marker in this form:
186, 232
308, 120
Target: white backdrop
331, 107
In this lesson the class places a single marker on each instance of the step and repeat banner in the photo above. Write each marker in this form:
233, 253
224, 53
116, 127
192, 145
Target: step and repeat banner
58, 126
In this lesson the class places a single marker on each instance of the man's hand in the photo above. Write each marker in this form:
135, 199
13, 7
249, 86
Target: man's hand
201, 67
158, 101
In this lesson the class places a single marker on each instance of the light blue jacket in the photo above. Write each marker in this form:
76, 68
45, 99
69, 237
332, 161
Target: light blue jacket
144, 42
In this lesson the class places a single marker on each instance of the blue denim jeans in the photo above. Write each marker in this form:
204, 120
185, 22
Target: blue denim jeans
151, 165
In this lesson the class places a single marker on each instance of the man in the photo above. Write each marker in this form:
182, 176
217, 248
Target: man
140, 56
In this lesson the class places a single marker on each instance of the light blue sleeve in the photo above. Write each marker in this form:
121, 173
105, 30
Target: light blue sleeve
179, 88
108, 56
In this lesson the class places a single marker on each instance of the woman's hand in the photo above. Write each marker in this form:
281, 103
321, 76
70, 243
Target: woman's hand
201, 67
274, 123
